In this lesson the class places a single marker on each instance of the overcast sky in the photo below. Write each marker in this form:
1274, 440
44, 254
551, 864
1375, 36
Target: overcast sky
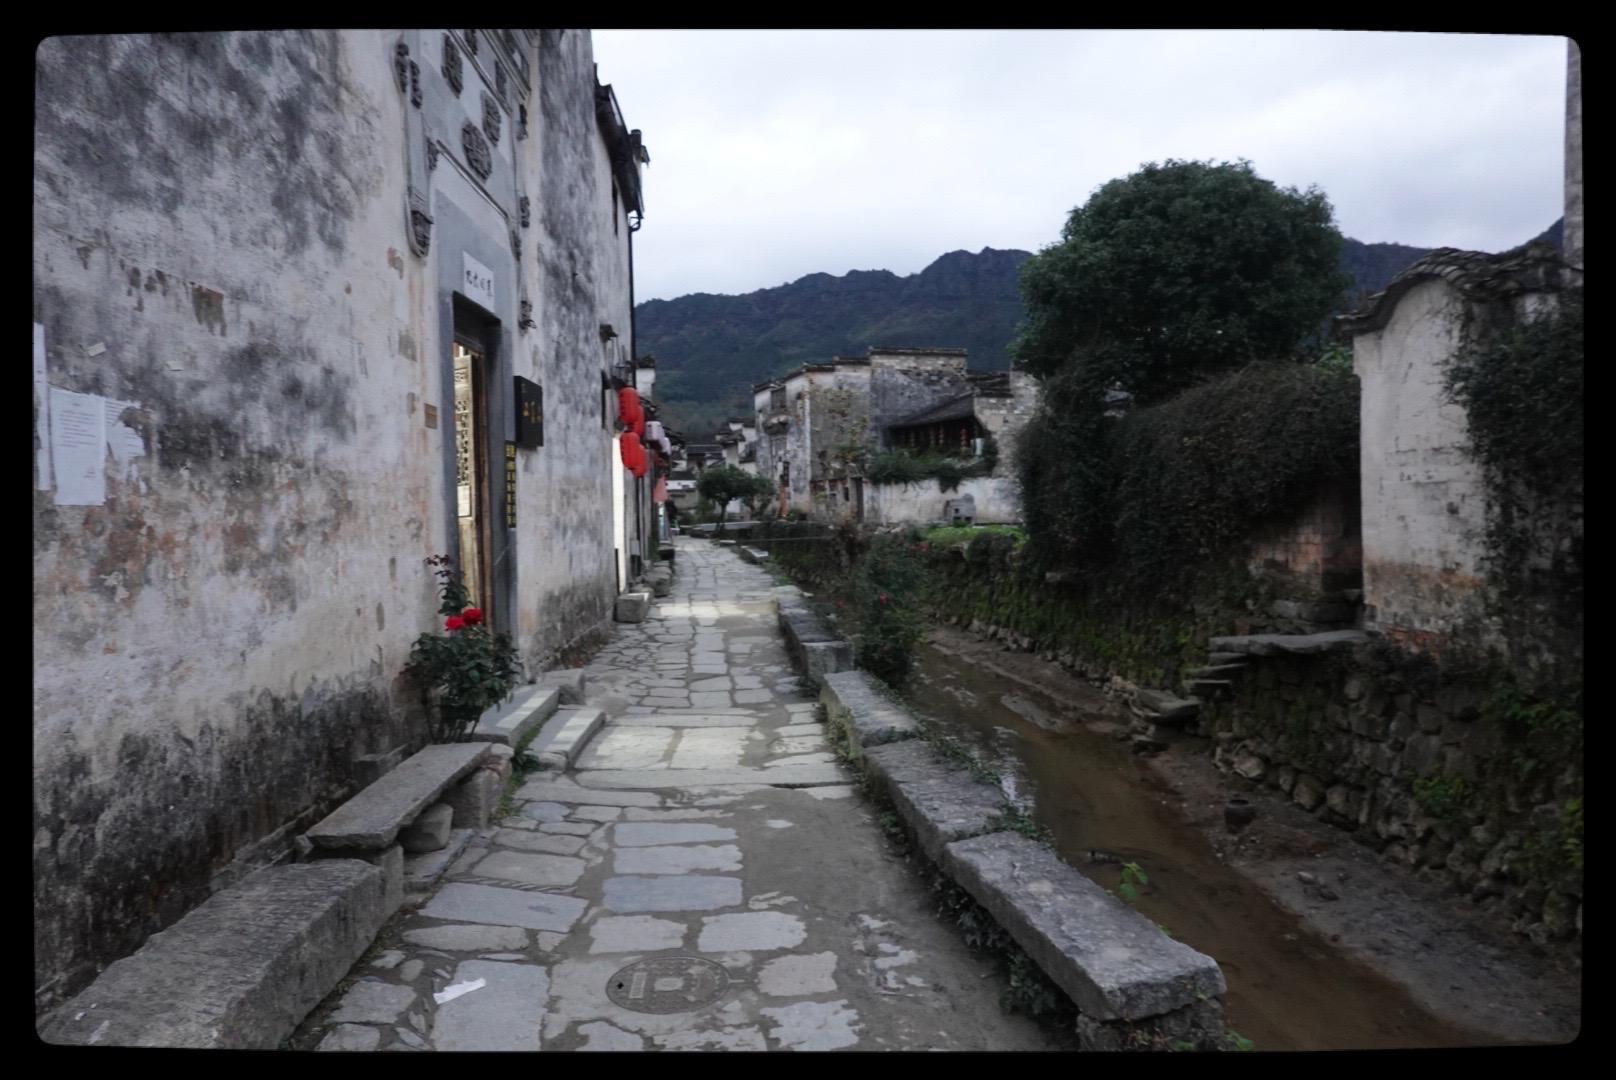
776, 154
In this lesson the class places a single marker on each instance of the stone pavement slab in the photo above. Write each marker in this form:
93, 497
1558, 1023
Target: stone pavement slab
633, 893
504, 1014
652, 779
464, 902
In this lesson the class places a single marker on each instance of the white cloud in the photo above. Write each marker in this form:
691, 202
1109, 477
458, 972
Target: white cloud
782, 153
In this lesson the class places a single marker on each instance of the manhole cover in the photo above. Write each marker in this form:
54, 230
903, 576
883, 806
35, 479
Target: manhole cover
667, 984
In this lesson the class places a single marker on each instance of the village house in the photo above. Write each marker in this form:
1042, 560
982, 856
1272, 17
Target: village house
309, 307
820, 426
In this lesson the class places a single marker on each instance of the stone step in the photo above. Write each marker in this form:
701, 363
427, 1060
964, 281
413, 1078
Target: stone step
570, 681
1164, 707
564, 738
1217, 671
242, 970
511, 723
1296, 644
1224, 657
1211, 688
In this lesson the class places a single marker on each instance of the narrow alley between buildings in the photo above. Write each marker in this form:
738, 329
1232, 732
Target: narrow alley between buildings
706, 878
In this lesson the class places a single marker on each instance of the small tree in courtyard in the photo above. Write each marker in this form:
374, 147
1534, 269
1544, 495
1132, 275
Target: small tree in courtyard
724, 483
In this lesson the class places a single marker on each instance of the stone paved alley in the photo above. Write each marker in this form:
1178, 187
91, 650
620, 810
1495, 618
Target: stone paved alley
708, 819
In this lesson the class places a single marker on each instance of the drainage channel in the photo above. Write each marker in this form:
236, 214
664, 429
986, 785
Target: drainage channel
1288, 988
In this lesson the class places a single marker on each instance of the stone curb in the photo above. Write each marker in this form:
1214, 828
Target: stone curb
853, 703
1116, 965
1112, 961
814, 649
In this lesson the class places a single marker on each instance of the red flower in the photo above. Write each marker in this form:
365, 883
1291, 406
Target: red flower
453, 622
883, 598
472, 615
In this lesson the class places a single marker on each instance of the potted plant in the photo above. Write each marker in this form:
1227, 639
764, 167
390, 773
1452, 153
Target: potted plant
468, 664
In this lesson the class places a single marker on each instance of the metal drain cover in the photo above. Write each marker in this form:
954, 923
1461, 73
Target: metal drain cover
668, 984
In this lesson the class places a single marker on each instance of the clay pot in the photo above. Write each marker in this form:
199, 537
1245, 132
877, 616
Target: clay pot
1238, 813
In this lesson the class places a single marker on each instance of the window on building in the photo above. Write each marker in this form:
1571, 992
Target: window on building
614, 207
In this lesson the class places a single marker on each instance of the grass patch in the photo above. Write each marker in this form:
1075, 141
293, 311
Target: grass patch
945, 535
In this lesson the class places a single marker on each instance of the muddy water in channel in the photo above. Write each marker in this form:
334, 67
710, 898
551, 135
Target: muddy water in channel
1288, 988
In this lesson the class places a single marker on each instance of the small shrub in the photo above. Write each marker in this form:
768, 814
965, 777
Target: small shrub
887, 587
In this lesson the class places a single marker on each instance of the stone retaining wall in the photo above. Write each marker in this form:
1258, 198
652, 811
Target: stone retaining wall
1410, 759
1420, 767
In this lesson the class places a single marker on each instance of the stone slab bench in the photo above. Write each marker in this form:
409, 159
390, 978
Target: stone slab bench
371, 820
940, 801
1295, 644
1114, 963
754, 555
510, 724
242, 970
854, 704
560, 742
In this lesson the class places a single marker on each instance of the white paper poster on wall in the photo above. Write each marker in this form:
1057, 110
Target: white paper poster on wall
42, 397
477, 283
79, 447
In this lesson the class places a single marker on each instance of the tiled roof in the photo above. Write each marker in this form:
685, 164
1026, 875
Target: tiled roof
1476, 274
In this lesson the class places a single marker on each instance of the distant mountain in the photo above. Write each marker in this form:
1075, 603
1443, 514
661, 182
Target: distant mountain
711, 349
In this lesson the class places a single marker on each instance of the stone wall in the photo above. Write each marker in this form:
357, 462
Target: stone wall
923, 501
228, 276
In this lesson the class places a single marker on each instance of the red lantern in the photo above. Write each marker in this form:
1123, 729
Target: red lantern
633, 454
629, 410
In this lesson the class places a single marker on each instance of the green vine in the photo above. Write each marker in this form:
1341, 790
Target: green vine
1521, 388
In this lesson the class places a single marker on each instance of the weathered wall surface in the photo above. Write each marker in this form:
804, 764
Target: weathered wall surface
1573, 155
905, 382
221, 251
839, 418
1424, 506
217, 637
1319, 551
1006, 416
922, 501
579, 268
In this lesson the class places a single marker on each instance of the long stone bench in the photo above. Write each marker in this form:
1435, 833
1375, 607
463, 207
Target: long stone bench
371, 820
242, 970
367, 826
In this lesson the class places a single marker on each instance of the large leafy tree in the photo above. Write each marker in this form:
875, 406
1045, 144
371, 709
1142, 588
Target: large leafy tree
1179, 271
